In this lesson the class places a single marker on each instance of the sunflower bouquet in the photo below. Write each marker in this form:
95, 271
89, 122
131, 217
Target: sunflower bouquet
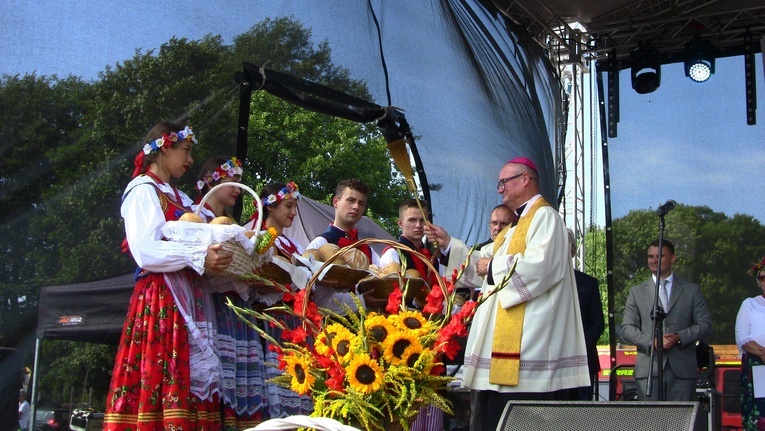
373, 370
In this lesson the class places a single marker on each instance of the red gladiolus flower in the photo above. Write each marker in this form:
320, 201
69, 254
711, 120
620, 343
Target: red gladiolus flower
449, 347
394, 300
296, 336
466, 312
324, 361
311, 310
434, 302
282, 363
337, 377
437, 370
288, 297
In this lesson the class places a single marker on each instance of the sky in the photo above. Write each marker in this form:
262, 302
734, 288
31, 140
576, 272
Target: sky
688, 142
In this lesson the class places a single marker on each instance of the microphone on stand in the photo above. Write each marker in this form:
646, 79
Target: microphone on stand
667, 207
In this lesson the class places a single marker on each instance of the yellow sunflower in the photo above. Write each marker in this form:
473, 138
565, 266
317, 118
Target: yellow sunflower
427, 358
364, 374
413, 321
321, 345
378, 327
343, 343
324, 339
396, 345
411, 355
299, 367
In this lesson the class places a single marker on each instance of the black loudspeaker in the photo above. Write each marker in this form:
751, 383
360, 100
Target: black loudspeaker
600, 416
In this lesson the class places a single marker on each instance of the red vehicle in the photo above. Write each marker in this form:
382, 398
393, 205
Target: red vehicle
719, 385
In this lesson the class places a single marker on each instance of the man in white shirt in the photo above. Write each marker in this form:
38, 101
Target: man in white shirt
23, 412
350, 202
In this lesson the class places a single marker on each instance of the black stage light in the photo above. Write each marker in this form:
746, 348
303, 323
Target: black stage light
646, 69
699, 60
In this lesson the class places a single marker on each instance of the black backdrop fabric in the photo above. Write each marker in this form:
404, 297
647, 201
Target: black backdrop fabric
92, 312
476, 91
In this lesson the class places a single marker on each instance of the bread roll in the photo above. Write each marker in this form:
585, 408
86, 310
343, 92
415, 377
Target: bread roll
412, 273
222, 220
191, 217
327, 251
313, 253
356, 258
391, 268
374, 269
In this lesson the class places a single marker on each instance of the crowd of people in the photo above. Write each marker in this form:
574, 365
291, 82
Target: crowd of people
185, 361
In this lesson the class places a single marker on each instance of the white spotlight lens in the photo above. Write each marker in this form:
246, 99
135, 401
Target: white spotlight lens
700, 71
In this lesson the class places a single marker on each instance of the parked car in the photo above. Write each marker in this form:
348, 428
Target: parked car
50, 419
86, 420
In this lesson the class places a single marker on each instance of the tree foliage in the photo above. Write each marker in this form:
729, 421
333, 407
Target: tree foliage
68, 148
712, 249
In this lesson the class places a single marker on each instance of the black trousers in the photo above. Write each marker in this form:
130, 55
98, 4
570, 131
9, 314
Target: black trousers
486, 407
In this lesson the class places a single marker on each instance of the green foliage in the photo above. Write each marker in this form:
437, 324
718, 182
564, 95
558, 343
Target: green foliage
712, 249
79, 372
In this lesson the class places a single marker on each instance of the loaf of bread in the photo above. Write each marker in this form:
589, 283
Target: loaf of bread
312, 254
412, 273
222, 220
191, 217
327, 251
356, 258
391, 268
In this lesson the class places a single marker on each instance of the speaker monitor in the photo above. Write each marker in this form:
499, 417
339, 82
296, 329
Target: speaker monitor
601, 416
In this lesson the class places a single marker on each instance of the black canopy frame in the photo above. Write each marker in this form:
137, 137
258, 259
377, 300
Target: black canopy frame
325, 100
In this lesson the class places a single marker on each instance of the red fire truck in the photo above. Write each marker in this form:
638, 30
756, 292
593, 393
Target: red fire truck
718, 388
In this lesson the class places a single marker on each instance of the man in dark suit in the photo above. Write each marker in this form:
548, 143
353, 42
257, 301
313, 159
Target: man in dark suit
591, 307
687, 321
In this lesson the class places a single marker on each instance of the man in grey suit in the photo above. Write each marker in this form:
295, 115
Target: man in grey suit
687, 321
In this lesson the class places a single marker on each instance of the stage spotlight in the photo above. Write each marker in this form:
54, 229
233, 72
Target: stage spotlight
646, 69
699, 60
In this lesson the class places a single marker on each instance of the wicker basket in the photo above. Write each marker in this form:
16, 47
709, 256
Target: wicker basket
300, 421
318, 424
275, 273
383, 286
417, 255
339, 276
243, 263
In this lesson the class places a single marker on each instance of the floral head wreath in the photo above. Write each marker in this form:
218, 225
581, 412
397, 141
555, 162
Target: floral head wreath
155, 145
757, 267
290, 191
231, 168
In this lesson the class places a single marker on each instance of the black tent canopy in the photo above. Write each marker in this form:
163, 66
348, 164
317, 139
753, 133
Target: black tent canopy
91, 312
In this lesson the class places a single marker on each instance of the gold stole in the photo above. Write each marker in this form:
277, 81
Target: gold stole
508, 327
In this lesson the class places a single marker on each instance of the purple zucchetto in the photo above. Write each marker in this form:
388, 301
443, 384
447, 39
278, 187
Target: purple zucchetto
524, 161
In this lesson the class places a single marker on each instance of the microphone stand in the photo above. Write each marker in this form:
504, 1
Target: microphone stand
657, 315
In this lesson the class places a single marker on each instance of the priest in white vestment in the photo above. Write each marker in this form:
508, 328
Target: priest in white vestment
526, 341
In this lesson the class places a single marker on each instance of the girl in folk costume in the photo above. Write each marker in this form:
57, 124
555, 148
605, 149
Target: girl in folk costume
239, 347
166, 372
279, 210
